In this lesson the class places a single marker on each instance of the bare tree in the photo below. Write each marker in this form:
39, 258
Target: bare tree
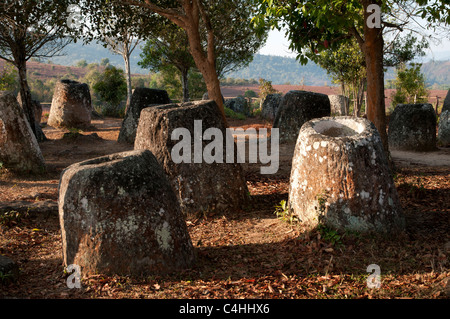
124, 47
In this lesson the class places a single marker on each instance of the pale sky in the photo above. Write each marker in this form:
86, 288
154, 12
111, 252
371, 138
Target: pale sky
277, 44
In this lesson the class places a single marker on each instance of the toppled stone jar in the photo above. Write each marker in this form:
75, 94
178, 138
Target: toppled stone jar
340, 177
119, 215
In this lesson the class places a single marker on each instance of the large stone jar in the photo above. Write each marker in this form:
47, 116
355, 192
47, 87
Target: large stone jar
340, 177
119, 215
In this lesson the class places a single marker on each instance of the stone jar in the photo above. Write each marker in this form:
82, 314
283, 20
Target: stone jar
340, 177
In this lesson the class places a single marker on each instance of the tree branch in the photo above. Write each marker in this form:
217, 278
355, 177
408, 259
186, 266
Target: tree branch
174, 15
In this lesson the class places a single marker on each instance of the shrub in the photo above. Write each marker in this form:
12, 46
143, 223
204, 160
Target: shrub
111, 88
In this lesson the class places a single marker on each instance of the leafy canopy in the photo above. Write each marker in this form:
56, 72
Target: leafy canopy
111, 86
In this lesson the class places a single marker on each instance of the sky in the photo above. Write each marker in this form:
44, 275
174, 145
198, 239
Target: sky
277, 44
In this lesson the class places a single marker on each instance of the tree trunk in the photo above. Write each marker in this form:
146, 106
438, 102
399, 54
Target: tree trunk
184, 84
126, 58
25, 95
373, 51
208, 70
346, 101
206, 62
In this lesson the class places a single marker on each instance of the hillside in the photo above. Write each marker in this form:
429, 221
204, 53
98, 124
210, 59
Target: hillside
279, 70
282, 70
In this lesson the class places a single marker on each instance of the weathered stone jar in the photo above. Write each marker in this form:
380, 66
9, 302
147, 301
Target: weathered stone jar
269, 106
444, 128
71, 105
412, 127
296, 108
340, 177
19, 149
141, 98
119, 215
338, 104
201, 186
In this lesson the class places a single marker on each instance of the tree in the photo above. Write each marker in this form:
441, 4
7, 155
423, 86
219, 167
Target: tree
81, 63
324, 24
111, 87
125, 48
235, 44
409, 85
346, 65
32, 28
197, 18
265, 88
167, 47
104, 62
118, 27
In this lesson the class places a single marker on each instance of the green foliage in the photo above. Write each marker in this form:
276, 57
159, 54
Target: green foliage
169, 79
111, 88
409, 85
404, 49
265, 88
8, 77
282, 213
234, 115
345, 63
7, 277
237, 81
41, 90
250, 94
81, 63
168, 47
329, 235
104, 62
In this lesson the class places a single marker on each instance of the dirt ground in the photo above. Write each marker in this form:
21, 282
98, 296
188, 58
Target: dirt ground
247, 254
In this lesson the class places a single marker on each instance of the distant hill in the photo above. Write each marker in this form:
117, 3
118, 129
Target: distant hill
94, 53
283, 70
279, 70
